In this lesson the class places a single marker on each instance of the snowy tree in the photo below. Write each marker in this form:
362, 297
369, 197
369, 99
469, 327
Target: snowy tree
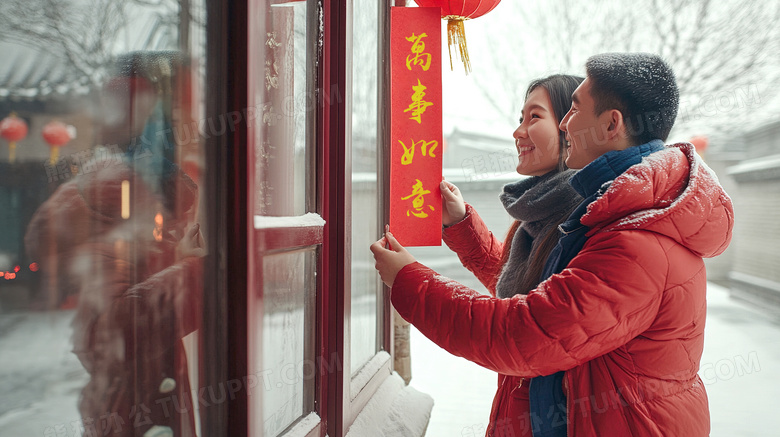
724, 53
89, 34
83, 32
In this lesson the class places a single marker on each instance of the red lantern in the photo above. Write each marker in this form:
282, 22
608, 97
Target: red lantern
56, 134
700, 143
13, 129
455, 12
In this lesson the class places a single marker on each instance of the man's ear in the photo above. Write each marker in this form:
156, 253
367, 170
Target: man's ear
617, 126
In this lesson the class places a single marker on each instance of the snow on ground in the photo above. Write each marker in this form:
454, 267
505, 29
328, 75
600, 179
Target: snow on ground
740, 368
40, 378
462, 391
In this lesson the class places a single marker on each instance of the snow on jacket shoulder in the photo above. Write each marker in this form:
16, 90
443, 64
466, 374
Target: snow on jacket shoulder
673, 193
625, 319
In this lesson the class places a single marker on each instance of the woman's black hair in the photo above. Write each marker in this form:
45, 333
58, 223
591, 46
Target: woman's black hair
559, 87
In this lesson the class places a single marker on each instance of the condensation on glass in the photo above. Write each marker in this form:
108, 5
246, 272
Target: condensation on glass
281, 116
281, 104
288, 310
103, 218
366, 199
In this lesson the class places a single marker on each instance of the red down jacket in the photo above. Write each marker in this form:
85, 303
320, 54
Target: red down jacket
481, 253
625, 319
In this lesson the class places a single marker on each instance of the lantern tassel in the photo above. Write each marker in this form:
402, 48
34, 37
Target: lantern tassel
456, 35
54, 155
11, 151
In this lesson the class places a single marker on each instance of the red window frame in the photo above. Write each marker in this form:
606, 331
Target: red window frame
335, 147
229, 188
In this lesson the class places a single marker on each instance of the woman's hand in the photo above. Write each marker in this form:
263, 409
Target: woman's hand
390, 260
192, 243
453, 208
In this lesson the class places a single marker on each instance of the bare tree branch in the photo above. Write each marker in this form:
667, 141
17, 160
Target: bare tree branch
86, 33
715, 48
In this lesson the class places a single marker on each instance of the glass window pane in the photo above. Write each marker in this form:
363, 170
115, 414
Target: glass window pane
288, 328
281, 101
365, 194
103, 216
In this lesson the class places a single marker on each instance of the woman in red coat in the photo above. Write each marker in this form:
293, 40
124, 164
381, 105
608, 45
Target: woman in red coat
538, 204
620, 319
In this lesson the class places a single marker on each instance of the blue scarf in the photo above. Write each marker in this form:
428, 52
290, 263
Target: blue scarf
547, 399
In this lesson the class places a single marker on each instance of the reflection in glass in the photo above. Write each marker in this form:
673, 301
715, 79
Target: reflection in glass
288, 369
99, 321
365, 195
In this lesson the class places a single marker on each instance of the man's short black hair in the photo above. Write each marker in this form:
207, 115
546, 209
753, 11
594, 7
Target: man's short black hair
641, 86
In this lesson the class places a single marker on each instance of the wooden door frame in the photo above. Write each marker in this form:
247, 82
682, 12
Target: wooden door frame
226, 191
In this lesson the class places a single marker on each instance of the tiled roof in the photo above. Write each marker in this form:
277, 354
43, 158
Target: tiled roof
30, 74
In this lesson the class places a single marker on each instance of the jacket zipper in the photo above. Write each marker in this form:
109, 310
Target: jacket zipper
492, 424
569, 404
492, 430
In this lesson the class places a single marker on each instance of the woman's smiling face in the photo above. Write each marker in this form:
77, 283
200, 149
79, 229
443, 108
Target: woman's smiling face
537, 137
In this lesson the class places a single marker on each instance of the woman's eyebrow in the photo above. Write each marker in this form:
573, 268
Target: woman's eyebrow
534, 106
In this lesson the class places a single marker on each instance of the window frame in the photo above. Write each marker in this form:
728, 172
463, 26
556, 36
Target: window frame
264, 241
336, 132
225, 188
232, 232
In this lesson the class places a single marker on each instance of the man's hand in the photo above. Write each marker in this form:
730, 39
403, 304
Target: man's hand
391, 259
453, 208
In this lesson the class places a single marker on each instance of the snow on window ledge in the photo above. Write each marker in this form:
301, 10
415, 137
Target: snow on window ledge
395, 410
302, 221
304, 426
366, 372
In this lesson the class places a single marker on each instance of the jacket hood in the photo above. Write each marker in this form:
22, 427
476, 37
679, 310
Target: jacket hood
671, 192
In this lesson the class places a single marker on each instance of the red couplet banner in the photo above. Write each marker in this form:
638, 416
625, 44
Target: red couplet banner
415, 125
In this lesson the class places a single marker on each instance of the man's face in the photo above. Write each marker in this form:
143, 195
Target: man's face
586, 132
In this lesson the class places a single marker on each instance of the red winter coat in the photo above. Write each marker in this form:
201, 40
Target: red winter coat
625, 319
481, 253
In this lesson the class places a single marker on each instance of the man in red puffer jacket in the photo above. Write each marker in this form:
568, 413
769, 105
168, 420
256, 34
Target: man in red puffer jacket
612, 339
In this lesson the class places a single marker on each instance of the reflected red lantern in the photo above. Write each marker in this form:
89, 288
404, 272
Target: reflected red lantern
56, 134
456, 12
13, 129
700, 143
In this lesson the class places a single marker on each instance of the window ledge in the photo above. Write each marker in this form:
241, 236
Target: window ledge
395, 410
304, 426
302, 221
364, 375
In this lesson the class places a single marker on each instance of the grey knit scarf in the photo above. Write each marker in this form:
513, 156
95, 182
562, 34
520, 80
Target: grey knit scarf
540, 203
